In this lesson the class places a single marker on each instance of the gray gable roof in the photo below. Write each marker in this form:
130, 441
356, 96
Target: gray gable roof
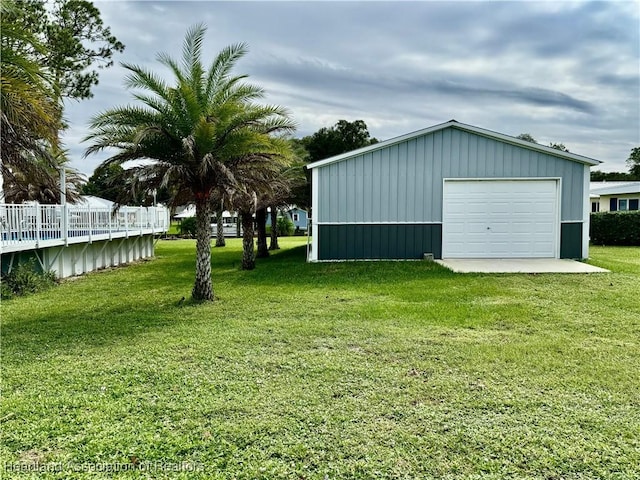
627, 188
460, 126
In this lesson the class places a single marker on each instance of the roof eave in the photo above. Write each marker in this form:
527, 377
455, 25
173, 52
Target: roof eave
460, 126
620, 191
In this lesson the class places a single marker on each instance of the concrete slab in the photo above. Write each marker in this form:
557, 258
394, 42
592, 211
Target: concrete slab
518, 265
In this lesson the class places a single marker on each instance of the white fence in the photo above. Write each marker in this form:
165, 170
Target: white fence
30, 225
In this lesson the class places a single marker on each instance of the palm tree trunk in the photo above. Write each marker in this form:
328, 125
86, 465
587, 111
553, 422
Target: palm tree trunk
248, 258
261, 221
203, 288
220, 228
274, 230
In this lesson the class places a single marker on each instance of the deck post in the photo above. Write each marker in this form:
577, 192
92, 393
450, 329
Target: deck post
89, 222
64, 224
126, 223
64, 211
21, 222
38, 223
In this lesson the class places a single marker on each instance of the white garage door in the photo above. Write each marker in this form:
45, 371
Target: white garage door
500, 219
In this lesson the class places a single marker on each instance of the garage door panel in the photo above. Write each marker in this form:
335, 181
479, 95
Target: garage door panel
503, 218
502, 249
497, 227
475, 250
456, 228
473, 209
499, 208
540, 232
518, 228
521, 207
542, 247
541, 240
474, 228
544, 210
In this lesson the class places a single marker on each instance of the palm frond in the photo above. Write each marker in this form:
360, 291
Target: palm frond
221, 66
145, 80
236, 92
192, 51
169, 62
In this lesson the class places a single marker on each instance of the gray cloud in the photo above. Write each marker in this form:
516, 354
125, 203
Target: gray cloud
318, 76
561, 71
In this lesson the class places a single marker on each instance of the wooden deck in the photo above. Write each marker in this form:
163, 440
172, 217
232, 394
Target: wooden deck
34, 226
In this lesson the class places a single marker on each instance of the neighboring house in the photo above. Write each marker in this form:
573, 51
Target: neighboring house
453, 191
185, 211
595, 202
298, 217
229, 220
230, 225
614, 196
95, 202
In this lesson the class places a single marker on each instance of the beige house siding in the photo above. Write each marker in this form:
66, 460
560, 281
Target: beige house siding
605, 200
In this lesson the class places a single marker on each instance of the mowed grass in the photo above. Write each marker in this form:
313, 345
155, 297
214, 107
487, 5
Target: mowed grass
335, 370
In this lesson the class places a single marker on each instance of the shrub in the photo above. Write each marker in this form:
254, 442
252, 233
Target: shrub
5, 291
188, 226
25, 279
285, 226
615, 228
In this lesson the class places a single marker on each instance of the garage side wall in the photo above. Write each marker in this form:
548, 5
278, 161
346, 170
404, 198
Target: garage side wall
403, 184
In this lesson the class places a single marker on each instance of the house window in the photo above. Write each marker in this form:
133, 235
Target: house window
295, 217
624, 204
595, 207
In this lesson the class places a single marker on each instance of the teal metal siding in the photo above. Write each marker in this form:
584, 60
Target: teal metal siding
387, 241
403, 182
571, 240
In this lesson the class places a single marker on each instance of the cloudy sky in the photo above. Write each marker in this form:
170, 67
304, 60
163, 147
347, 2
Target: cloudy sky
561, 71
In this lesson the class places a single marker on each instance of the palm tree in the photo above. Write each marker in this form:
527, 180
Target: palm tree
256, 178
38, 180
220, 241
191, 134
279, 198
290, 178
261, 229
30, 116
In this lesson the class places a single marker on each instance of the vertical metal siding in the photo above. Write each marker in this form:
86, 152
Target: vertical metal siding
419, 177
403, 179
358, 242
571, 240
403, 182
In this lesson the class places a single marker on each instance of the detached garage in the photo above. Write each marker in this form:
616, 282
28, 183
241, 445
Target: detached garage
453, 191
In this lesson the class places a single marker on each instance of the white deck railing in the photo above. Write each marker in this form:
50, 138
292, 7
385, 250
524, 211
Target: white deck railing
31, 225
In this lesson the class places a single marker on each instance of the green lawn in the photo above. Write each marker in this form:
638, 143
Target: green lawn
173, 228
336, 370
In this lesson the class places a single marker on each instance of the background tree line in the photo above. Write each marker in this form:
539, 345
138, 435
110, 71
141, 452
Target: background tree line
633, 162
